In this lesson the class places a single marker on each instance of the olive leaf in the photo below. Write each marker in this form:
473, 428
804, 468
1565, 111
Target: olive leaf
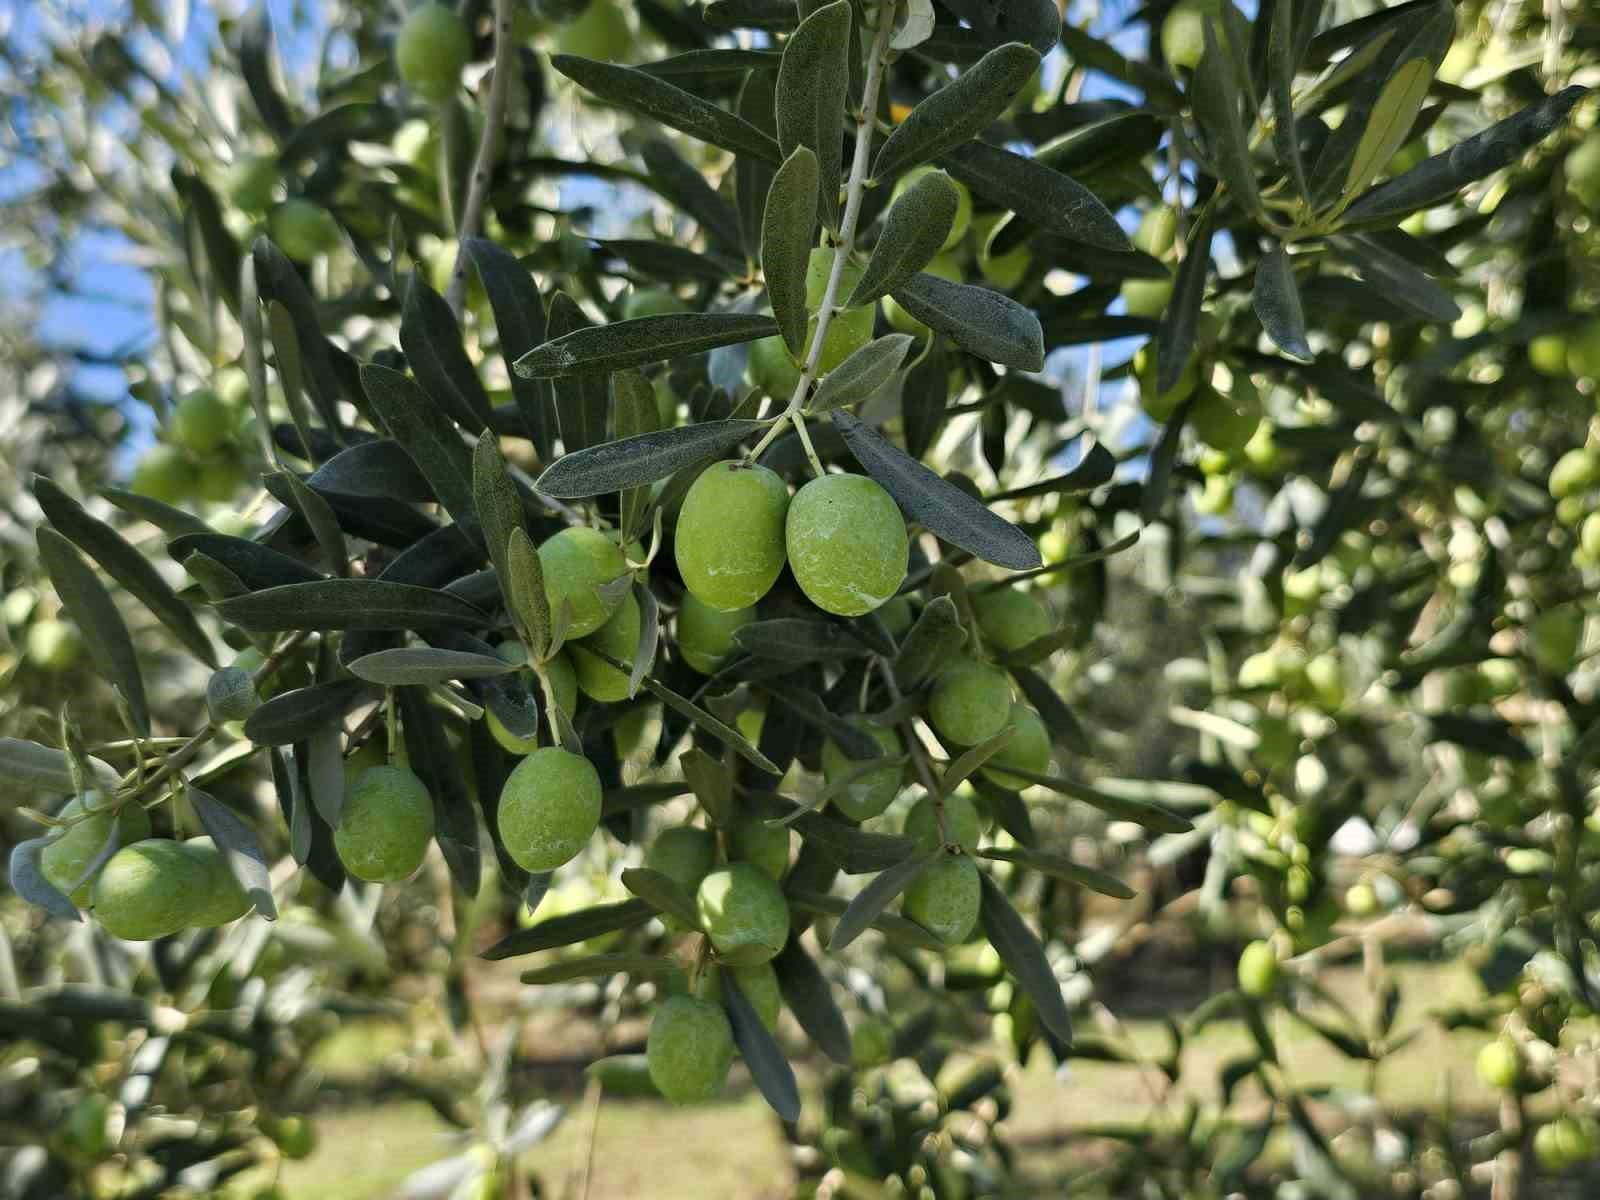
429, 437
90, 606
1059, 867
930, 643
1276, 300
642, 459
30, 765
944, 509
592, 966
571, 928
1024, 957
1282, 63
1401, 282
257, 566
806, 992
526, 596
581, 400
655, 97
598, 349
990, 324
1389, 125
347, 604
662, 893
171, 521
297, 715
239, 846
913, 233
455, 817
768, 1068
1175, 339
797, 640
711, 782
1215, 96
862, 374
124, 564
28, 881
426, 664
519, 320
813, 82
376, 468
877, 896
317, 514
431, 340
682, 183
723, 732
786, 240
959, 111
1042, 194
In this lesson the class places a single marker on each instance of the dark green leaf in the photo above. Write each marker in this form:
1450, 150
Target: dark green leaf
221, 251
1397, 278
318, 516
595, 965
877, 896
944, 509
291, 378
1152, 816
1096, 467
1024, 957
431, 340
376, 468
124, 564
862, 374
973, 758
1215, 96
813, 81
526, 595
257, 565
279, 280
654, 97
712, 783
1389, 125
762, 1055
348, 604
639, 460
751, 175
1084, 50
455, 817
171, 521
255, 64
239, 845
913, 233
786, 238
1436, 179
797, 640
1276, 299
682, 183
1282, 63
582, 401
930, 643
27, 880
1176, 337
598, 349
990, 324
298, 715
519, 319
571, 928
724, 733
429, 437
1059, 867
810, 999
634, 412
425, 664
959, 111
662, 893
1043, 196
87, 602
499, 509
1064, 728
896, 928
29, 765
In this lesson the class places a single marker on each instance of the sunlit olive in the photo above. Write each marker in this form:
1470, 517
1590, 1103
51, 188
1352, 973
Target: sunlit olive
847, 544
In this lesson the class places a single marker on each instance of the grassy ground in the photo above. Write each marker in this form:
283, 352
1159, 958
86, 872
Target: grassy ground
734, 1148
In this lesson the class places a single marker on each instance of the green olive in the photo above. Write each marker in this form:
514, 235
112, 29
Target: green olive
730, 534
577, 562
869, 791
385, 824
549, 808
847, 544
431, 49
689, 1050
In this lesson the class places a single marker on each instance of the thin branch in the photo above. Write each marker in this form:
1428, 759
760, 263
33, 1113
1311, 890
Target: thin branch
488, 150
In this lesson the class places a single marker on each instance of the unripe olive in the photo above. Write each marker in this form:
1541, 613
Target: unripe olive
751, 840
618, 637
1183, 39
599, 32
53, 644
705, 634
847, 544
1028, 750
963, 218
730, 534
684, 854
87, 1125
870, 792
432, 48
65, 859
871, 1043
224, 900
1563, 1144
1557, 634
1161, 405
219, 480
1226, 421
163, 473
962, 824
1499, 1064
1146, 297
385, 825
1158, 231
759, 985
576, 562
201, 422
944, 899
149, 889
1575, 472
231, 694
1547, 354
251, 180
1583, 350
1004, 271
1009, 618
771, 366
970, 702
896, 615
1360, 900
1258, 969
549, 808
744, 913
295, 1136
689, 1050
303, 229
652, 302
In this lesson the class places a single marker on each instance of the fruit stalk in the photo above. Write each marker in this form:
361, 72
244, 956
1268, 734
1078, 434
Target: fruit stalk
855, 191
488, 150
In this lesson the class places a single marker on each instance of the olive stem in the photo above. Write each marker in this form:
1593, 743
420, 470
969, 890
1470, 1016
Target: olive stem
488, 150
805, 440
390, 723
771, 435
919, 757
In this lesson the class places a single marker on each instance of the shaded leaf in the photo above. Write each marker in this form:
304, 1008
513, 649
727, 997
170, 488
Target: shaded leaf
239, 846
930, 643
431, 339
348, 604
1060, 867
797, 640
28, 881
425, 664
786, 241
429, 437
913, 233
808, 996
295, 716
762, 1055
724, 733
256, 565
1276, 299
813, 81
379, 467
528, 600
1397, 278
319, 517
1024, 958
662, 893
42, 768
682, 183
90, 606
597, 349
987, 323
871, 900
591, 966
1176, 337
1215, 96
1042, 195
571, 928
635, 461
519, 319
455, 817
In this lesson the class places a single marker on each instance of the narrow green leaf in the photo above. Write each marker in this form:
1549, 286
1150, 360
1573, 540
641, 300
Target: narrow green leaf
786, 238
768, 1068
1041, 194
286, 355
1436, 179
974, 757
427, 664
944, 509
662, 893
431, 340
124, 564
1401, 281
655, 97
455, 817
893, 926
644, 654
636, 461
813, 83
519, 319
1163, 462
348, 604
239, 846
571, 928
295, 716
499, 509
171, 521
27, 879
41, 768
634, 412
279, 280
324, 525
581, 401
1065, 728
1282, 64
877, 896
371, 469
1152, 816
1389, 126
862, 374
89, 605
797, 640
256, 565
913, 233
592, 966
1215, 96
1024, 958
1059, 867
751, 175
1276, 300
711, 782
930, 643
682, 183
429, 437
806, 992
959, 111
598, 349
526, 595
723, 732
1175, 339
990, 324
255, 65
